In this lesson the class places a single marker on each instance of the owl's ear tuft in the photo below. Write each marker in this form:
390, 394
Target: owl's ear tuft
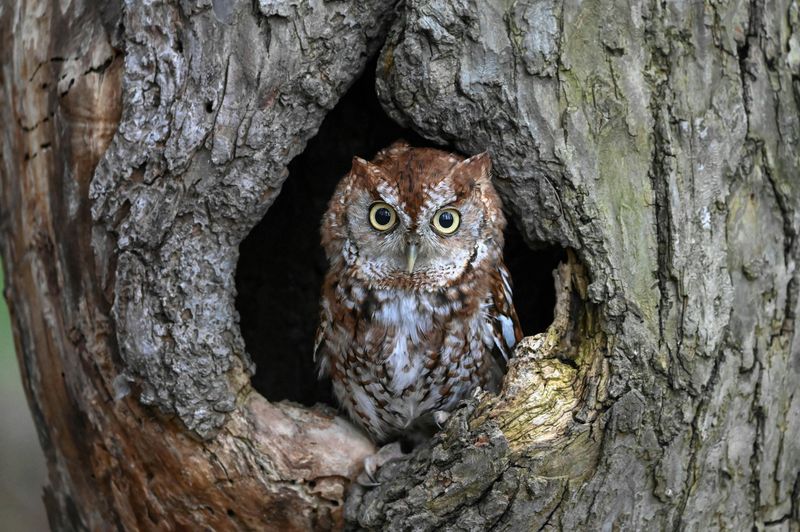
477, 168
363, 168
369, 174
360, 166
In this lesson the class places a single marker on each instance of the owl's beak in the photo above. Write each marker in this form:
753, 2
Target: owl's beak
411, 255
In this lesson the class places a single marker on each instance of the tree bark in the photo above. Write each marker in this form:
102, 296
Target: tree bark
658, 142
144, 141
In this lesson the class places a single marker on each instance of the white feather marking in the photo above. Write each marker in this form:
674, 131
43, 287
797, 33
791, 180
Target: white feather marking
490, 337
506, 283
403, 313
508, 330
364, 402
406, 314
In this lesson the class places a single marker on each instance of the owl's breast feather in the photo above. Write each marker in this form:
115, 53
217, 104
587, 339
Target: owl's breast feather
406, 355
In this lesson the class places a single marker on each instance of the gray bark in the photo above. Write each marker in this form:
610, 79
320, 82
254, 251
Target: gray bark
120, 252
657, 141
221, 98
660, 141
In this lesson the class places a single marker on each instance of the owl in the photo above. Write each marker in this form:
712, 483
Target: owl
416, 309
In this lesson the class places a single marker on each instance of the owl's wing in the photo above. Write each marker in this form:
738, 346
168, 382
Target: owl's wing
506, 331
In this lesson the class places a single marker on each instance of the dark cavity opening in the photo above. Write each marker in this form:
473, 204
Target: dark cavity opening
282, 265
532, 279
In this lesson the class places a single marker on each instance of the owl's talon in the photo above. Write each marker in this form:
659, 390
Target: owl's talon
387, 453
441, 417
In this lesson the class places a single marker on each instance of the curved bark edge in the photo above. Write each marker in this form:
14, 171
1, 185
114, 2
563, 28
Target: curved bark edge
216, 102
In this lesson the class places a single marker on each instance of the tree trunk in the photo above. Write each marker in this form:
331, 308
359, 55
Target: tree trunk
658, 142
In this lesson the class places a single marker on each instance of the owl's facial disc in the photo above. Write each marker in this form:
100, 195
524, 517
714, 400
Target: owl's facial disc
425, 236
414, 218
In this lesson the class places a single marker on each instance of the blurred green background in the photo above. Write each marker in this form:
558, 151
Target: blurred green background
22, 469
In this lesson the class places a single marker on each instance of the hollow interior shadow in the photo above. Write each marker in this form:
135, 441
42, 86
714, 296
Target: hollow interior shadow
532, 279
282, 265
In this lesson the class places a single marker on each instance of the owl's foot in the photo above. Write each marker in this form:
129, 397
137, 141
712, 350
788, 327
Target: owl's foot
372, 463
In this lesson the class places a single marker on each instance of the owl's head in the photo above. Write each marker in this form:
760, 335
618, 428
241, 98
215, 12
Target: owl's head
414, 218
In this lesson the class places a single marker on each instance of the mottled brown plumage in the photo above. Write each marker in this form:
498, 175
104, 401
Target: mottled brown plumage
416, 309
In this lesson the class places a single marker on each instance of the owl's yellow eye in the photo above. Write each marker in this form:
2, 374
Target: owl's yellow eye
446, 221
382, 216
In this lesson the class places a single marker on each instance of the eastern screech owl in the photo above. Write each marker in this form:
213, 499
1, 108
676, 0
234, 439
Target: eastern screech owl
416, 308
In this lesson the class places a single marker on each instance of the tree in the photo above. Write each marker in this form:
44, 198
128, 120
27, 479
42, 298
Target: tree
657, 142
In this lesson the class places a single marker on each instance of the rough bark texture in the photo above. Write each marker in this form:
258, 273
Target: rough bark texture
658, 141
216, 102
121, 285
